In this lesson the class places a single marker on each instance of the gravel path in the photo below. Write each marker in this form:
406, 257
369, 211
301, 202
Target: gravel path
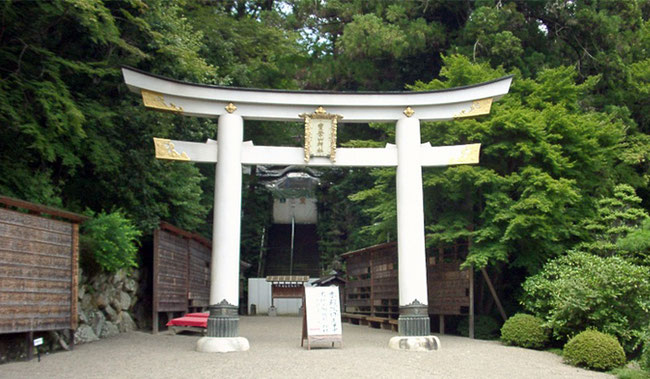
276, 353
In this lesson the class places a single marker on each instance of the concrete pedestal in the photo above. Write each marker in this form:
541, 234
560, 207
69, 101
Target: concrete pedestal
415, 343
222, 344
273, 311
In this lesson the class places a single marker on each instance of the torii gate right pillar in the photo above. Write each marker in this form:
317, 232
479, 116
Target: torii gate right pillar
413, 323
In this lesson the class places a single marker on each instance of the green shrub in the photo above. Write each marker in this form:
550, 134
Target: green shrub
111, 240
630, 373
485, 327
580, 291
595, 350
525, 331
644, 360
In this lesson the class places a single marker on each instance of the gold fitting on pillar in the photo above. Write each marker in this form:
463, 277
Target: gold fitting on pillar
230, 108
408, 112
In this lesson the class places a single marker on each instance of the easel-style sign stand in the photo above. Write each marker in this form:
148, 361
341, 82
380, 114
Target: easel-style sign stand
322, 319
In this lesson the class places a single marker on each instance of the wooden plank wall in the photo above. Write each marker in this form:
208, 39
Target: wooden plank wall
171, 272
38, 273
357, 289
372, 286
181, 271
383, 280
449, 294
200, 257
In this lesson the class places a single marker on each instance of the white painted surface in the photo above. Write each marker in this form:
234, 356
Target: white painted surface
323, 311
210, 101
303, 209
359, 157
221, 344
224, 279
410, 343
412, 268
259, 293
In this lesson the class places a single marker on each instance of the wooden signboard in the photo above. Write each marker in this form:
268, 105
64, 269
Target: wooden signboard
38, 268
39, 254
322, 320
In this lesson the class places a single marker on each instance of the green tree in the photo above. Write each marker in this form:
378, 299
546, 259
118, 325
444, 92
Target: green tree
544, 156
581, 290
616, 217
73, 136
636, 244
110, 241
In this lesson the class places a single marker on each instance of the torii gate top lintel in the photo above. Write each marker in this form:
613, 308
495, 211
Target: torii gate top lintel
282, 105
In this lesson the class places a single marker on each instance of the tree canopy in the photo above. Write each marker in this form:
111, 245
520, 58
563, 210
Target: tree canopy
574, 126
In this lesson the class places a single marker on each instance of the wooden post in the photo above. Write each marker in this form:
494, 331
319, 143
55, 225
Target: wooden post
494, 294
371, 267
441, 318
156, 259
75, 277
471, 302
189, 274
30, 345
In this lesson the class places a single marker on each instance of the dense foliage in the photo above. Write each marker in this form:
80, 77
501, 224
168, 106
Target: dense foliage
524, 330
582, 290
543, 160
616, 217
111, 241
595, 350
645, 353
485, 327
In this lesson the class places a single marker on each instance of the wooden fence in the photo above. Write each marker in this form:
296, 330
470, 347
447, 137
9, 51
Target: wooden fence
181, 271
372, 288
39, 253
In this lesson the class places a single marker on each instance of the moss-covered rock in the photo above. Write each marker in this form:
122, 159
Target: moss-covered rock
525, 331
595, 350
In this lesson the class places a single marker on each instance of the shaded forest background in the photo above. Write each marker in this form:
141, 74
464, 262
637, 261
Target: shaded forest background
572, 133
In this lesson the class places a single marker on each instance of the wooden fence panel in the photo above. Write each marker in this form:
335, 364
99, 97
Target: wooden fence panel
171, 260
38, 271
200, 257
181, 271
372, 286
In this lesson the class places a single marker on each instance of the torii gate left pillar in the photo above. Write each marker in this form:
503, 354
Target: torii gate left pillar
230, 152
223, 322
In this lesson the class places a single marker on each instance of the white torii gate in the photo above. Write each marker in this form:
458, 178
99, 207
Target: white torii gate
229, 152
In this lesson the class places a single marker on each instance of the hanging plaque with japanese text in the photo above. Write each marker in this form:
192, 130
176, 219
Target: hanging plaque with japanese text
320, 134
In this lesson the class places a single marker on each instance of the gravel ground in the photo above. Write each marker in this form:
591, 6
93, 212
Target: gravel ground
276, 353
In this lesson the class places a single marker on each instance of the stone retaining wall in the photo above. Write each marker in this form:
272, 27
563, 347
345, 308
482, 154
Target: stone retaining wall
106, 303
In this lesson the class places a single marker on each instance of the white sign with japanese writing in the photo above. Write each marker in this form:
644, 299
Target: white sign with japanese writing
323, 311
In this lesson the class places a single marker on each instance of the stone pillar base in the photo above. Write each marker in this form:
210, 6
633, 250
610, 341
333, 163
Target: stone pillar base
223, 321
414, 320
273, 311
415, 343
222, 344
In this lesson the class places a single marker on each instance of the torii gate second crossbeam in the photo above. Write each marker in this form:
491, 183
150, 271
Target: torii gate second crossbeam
229, 152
